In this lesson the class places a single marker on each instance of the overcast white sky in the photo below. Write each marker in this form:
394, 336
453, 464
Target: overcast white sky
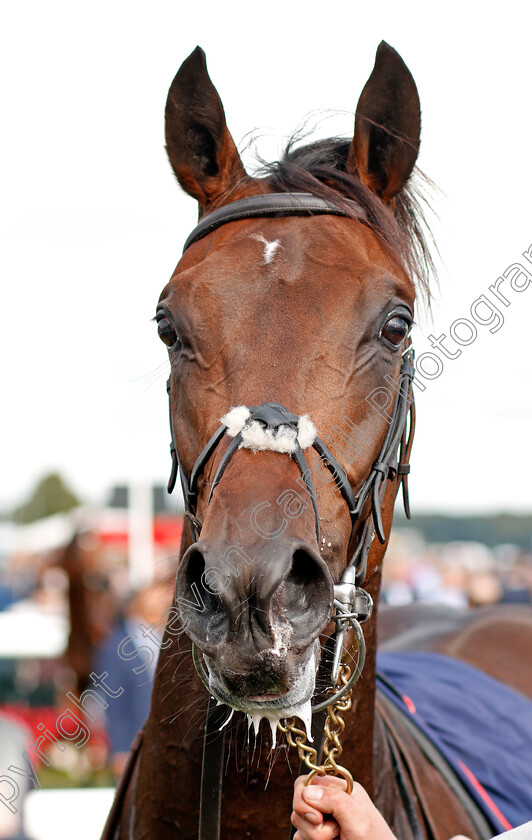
93, 221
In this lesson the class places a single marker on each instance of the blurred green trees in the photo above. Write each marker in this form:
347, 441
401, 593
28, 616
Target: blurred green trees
51, 495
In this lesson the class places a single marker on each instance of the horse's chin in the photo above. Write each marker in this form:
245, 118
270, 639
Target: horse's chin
294, 703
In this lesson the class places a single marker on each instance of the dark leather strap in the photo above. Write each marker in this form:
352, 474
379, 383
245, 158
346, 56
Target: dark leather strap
271, 204
173, 448
406, 448
401, 779
212, 772
113, 820
300, 460
337, 472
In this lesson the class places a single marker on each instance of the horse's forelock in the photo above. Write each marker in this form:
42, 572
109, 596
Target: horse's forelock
319, 168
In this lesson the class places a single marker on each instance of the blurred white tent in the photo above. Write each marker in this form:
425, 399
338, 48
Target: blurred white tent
51, 814
30, 633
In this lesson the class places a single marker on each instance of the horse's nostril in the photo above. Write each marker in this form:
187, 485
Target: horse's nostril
306, 593
304, 577
293, 589
196, 580
200, 607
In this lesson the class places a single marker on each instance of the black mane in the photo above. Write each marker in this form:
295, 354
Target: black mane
320, 168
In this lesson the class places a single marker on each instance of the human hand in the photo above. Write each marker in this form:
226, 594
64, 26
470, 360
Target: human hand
354, 817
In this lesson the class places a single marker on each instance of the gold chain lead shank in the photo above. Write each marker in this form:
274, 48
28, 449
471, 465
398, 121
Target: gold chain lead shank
332, 748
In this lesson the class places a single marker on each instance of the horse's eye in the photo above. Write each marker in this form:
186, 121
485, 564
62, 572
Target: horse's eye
166, 332
395, 330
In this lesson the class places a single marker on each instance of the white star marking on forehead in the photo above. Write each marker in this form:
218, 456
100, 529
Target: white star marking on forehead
270, 248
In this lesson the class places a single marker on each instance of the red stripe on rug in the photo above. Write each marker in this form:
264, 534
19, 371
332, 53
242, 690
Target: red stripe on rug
409, 703
485, 795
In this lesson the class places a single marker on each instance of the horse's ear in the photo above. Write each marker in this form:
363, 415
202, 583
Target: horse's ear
200, 148
387, 126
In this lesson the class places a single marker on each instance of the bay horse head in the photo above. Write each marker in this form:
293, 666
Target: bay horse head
287, 323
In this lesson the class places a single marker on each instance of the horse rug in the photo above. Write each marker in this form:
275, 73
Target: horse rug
481, 727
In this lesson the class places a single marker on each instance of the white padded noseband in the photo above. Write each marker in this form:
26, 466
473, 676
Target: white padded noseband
258, 438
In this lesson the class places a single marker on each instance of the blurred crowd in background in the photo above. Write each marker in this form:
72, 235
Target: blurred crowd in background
84, 593
455, 574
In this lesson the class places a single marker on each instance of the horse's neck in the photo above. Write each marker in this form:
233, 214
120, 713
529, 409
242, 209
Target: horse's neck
169, 769
170, 762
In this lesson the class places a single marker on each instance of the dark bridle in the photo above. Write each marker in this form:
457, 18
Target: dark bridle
394, 456
353, 604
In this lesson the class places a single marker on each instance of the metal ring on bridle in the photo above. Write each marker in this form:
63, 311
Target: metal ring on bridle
319, 707
361, 645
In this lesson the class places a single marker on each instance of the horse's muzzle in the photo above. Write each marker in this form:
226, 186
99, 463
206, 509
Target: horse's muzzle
255, 613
